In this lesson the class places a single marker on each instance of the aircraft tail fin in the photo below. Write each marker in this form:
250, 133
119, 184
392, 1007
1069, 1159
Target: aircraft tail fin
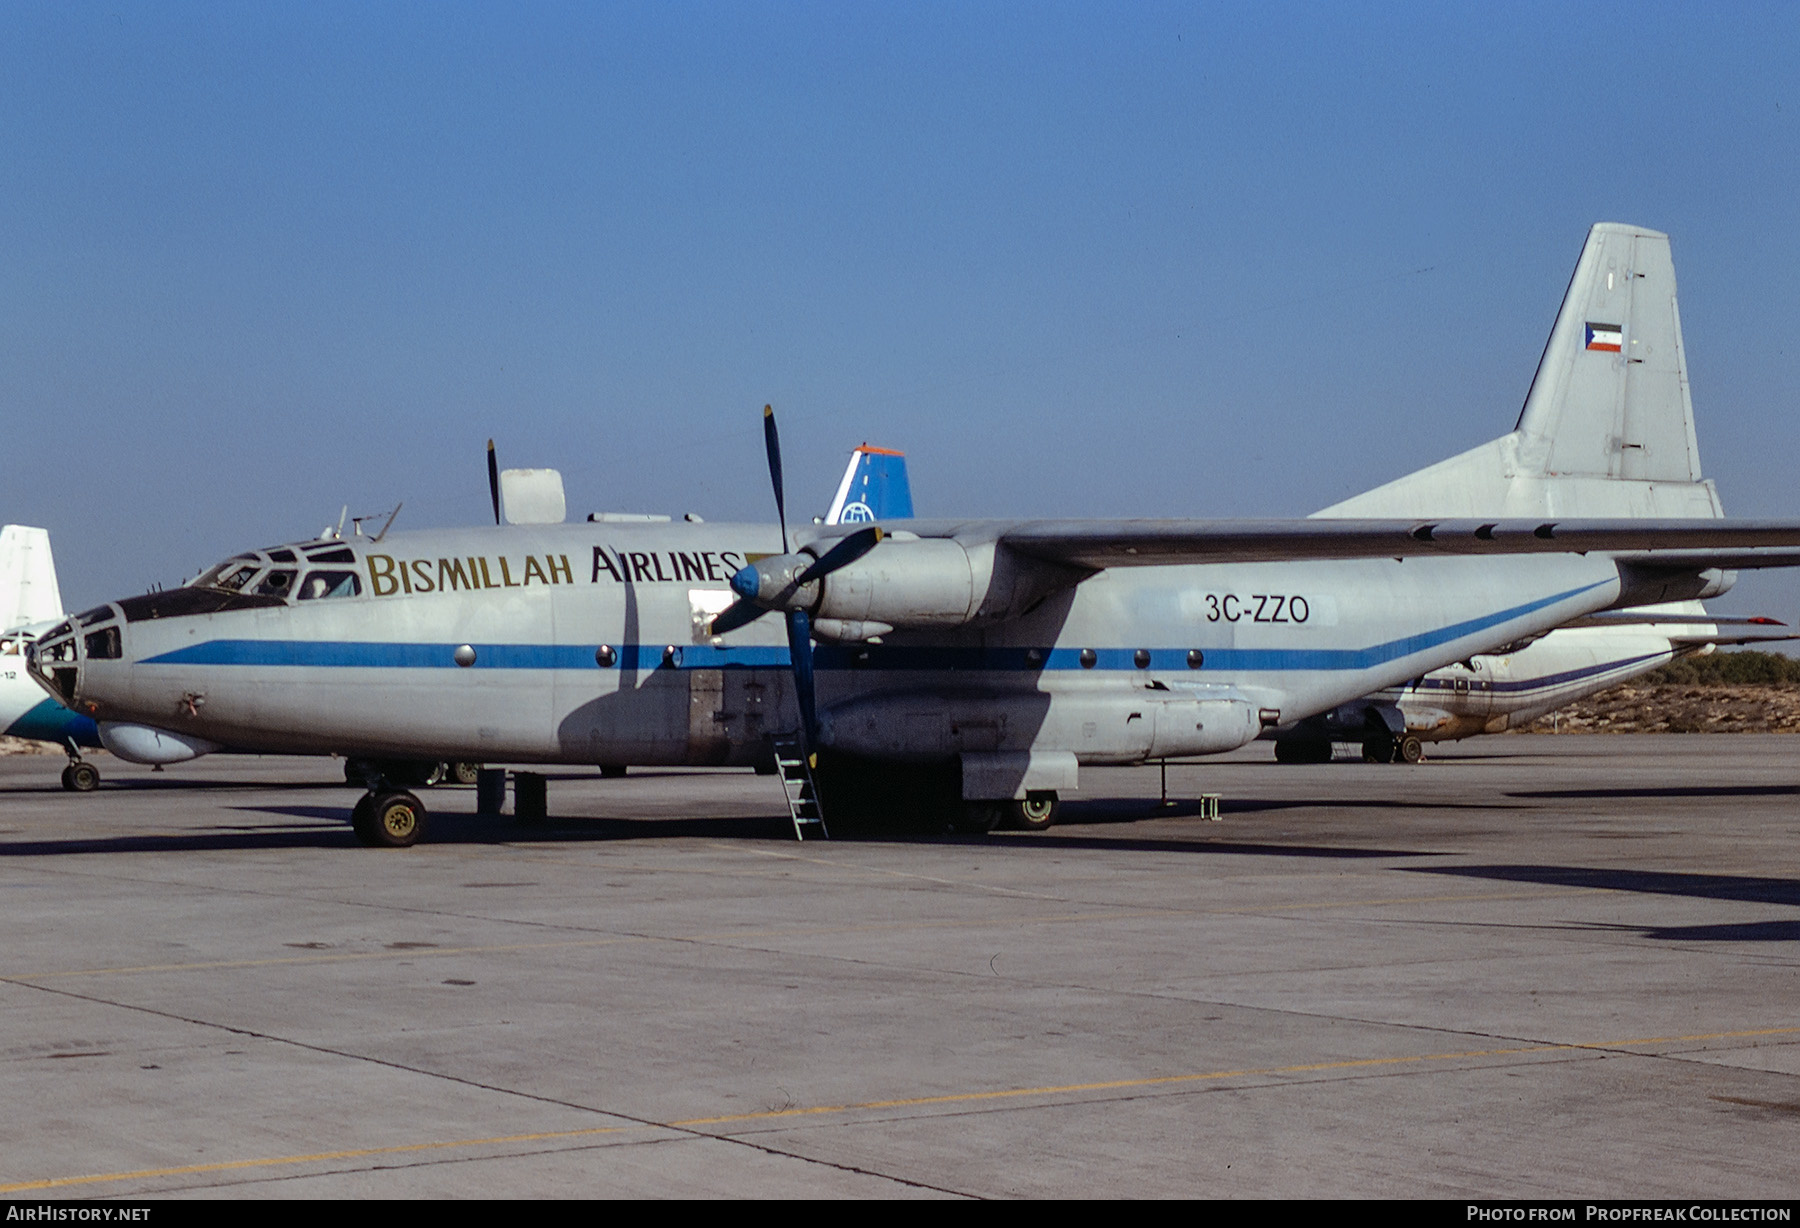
1608, 426
28, 591
874, 488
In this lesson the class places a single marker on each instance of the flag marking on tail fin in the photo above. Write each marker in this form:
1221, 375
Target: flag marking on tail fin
1609, 337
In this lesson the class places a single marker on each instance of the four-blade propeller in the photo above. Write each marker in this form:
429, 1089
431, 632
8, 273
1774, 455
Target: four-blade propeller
780, 583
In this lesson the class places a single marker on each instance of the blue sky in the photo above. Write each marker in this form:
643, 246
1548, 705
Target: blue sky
259, 261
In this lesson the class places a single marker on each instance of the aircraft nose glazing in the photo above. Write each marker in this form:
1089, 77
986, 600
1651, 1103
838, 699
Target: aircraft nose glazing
55, 661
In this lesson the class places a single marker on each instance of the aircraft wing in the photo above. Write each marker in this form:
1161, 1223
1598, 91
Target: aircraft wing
1683, 544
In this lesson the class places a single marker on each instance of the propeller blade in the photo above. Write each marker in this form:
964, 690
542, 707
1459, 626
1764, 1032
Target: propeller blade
494, 480
737, 614
843, 554
799, 629
772, 445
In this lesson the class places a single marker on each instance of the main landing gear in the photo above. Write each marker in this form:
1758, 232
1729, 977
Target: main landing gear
865, 795
1385, 748
386, 817
413, 774
1377, 748
1037, 811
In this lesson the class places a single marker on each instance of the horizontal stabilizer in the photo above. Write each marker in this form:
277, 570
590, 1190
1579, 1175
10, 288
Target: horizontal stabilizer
1645, 617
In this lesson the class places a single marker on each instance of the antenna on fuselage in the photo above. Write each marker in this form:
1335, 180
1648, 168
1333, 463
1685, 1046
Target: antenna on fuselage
392, 516
494, 480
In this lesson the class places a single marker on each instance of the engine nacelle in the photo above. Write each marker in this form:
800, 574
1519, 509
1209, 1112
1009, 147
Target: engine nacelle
921, 583
911, 582
903, 582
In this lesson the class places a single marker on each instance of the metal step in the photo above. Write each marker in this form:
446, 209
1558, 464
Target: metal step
797, 782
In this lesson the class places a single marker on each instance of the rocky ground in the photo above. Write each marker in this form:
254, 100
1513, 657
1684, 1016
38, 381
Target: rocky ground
19, 746
1650, 707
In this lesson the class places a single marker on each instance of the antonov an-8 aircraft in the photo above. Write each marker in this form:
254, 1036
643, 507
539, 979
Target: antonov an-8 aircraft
1608, 438
991, 658
30, 604
1514, 685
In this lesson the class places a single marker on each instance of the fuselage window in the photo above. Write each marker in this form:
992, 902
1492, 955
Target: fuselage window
278, 583
320, 585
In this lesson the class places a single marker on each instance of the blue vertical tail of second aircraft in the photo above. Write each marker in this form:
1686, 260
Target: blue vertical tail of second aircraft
874, 488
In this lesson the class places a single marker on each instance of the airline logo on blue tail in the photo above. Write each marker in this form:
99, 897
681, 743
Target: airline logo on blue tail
874, 488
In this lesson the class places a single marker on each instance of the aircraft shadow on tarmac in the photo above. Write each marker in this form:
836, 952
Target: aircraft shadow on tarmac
1669, 791
328, 827
1653, 882
1748, 931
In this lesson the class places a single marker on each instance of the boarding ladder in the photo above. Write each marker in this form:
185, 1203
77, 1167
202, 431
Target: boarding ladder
792, 765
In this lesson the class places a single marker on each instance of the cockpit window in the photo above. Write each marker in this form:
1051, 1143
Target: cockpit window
335, 554
282, 556
231, 575
89, 617
320, 585
278, 583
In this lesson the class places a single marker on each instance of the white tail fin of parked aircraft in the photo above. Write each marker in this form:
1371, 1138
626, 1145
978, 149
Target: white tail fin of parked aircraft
1607, 430
28, 592
1608, 438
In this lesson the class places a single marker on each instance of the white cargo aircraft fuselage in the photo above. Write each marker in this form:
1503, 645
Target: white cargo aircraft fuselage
1012, 651
590, 643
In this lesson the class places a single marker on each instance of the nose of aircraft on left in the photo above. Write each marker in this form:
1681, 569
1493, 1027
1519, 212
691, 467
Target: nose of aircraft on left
74, 659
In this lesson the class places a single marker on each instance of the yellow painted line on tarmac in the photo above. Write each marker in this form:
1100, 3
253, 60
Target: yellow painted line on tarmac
1011, 1093
224, 1166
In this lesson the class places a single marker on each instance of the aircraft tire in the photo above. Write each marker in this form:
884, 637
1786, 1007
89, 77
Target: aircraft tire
1036, 813
361, 819
81, 778
1379, 749
977, 818
1409, 750
464, 773
396, 819
612, 771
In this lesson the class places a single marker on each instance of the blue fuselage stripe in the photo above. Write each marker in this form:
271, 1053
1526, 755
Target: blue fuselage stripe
382, 655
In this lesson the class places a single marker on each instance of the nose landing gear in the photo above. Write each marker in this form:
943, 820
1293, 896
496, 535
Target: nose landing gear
80, 776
